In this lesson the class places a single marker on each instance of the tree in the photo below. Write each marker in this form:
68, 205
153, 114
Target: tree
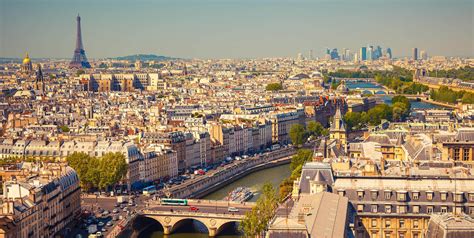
113, 168
314, 128
64, 128
298, 134
379, 112
79, 72
353, 120
301, 157
274, 87
256, 220
80, 162
100, 172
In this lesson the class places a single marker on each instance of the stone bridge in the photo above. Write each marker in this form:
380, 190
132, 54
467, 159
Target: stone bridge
374, 90
214, 222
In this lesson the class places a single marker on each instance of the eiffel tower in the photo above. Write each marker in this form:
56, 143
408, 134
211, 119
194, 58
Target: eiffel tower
79, 59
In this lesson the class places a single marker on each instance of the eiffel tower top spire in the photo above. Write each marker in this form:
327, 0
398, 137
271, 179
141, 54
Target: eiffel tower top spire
79, 59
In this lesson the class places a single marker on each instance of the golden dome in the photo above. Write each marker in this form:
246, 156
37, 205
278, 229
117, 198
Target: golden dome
26, 60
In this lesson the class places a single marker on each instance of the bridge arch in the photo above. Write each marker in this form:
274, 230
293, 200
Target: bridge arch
228, 225
380, 92
187, 223
367, 92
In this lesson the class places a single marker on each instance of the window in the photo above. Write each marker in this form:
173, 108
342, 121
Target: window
444, 209
388, 223
465, 154
471, 197
341, 192
416, 195
360, 207
401, 235
388, 209
401, 196
458, 197
373, 195
416, 235
401, 223
388, 235
387, 195
444, 196
416, 209
415, 224
374, 223
373, 208
471, 210
456, 154
374, 235
459, 210
402, 209
429, 209
429, 195
360, 194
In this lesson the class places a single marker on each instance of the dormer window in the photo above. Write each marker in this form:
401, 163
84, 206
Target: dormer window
416, 195
401, 196
429, 195
373, 195
444, 195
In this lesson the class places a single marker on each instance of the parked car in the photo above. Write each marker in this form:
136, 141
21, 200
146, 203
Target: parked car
193, 208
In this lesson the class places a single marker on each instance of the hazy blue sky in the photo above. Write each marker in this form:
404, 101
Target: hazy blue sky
233, 28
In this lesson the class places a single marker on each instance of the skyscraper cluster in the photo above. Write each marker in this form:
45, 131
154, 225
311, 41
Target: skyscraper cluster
365, 53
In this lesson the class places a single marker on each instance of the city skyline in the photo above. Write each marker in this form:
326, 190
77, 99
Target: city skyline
198, 34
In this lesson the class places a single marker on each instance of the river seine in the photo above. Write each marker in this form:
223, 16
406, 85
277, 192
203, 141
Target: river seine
254, 181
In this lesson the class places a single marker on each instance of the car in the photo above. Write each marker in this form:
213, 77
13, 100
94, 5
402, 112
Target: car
105, 213
98, 234
110, 223
232, 209
116, 205
103, 230
100, 224
115, 210
193, 208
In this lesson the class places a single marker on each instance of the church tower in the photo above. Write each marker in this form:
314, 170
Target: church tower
39, 81
338, 128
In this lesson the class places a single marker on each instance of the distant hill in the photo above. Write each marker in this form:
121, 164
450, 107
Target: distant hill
144, 57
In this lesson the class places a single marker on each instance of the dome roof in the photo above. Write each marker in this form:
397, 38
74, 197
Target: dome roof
26, 60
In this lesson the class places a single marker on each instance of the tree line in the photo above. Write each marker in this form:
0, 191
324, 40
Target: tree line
445, 94
98, 172
465, 74
299, 133
399, 111
256, 220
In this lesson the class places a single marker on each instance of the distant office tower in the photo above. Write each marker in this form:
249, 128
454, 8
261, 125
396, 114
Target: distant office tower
415, 53
356, 58
363, 53
423, 55
377, 52
310, 54
79, 59
389, 53
334, 54
347, 54
370, 53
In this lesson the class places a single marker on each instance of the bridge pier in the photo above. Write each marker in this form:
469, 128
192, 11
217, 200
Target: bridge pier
212, 231
167, 230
